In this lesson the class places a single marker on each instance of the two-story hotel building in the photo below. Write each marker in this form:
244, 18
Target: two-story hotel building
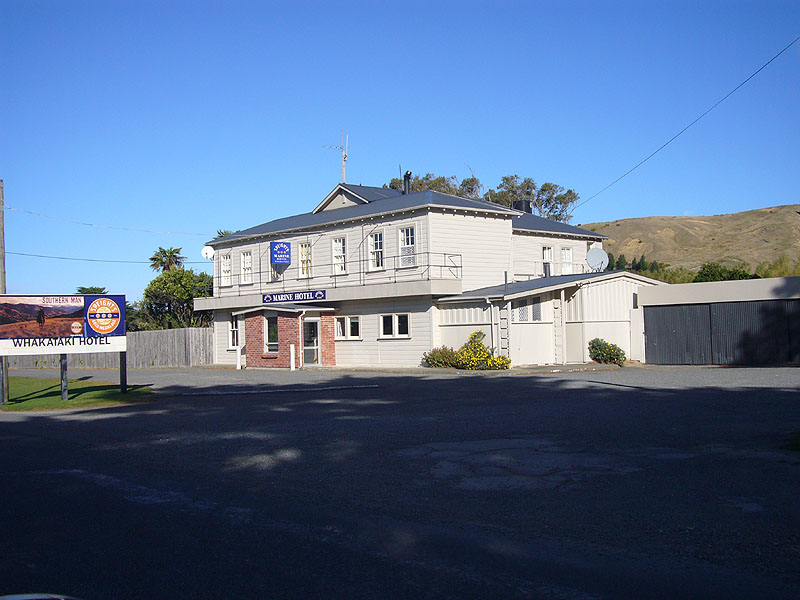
378, 277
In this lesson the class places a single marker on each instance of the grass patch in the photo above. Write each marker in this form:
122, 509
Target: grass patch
31, 393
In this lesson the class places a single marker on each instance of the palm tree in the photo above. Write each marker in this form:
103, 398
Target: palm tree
166, 259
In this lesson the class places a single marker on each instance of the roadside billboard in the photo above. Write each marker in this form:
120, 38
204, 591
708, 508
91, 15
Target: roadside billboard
73, 324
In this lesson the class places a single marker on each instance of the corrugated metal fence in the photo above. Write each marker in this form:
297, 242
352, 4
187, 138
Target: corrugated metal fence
161, 348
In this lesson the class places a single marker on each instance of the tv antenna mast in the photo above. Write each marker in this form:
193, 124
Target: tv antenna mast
343, 148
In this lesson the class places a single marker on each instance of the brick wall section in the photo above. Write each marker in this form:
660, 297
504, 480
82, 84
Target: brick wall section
288, 333
327, 345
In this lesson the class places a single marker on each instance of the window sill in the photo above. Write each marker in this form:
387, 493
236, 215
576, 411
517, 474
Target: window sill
396, 337
348, 339
269, 355
407, 267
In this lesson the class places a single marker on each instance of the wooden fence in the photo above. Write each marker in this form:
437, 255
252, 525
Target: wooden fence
161, 348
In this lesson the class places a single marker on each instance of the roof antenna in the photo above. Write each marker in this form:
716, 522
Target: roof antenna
343, 148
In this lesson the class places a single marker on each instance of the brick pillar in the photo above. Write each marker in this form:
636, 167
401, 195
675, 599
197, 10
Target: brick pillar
289, 333
326, 344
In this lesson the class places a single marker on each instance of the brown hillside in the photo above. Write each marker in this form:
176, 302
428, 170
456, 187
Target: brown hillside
749, 237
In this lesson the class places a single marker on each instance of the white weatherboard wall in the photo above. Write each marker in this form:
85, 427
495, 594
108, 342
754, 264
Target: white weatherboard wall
484, 242
321, 241
222, 354
527, 254
601, 310
533, 343
371, 349
455, 323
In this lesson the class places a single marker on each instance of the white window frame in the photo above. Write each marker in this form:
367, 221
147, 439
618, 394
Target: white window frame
267, 349
305, 264
339, 255
347, 322
566, 265
547, 259
246, 267
531, 306
407, 259
374, 252
225, 270
395, 328
233, 332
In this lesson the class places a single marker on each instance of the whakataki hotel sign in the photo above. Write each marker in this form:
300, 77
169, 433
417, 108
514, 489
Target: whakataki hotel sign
62, 324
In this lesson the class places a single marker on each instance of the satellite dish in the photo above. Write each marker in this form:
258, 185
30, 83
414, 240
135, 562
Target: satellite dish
597, 259
207, 252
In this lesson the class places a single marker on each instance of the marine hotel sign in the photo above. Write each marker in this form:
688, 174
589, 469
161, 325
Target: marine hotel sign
293, 296
62, 324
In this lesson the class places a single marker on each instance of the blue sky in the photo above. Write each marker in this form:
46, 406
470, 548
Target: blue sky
190, 117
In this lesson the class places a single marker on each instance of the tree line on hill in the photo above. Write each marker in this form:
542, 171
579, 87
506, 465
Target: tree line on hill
712, 271
548, 200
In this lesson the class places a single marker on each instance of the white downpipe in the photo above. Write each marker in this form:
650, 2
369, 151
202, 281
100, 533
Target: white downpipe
291, 357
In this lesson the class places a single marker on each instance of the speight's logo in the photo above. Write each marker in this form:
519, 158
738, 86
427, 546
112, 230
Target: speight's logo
103, 315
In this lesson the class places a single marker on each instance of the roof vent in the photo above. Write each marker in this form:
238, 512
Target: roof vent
407, 183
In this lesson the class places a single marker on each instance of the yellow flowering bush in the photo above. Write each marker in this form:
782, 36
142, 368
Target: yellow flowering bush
474, 355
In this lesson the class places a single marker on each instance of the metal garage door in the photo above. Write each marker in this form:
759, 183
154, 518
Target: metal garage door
723, 333
678, 335
749, 333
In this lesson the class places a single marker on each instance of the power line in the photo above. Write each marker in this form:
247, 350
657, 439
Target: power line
30, 212
100, 260
677, 135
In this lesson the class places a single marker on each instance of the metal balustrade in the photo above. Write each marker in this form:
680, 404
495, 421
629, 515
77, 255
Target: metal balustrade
394, 269
541, 268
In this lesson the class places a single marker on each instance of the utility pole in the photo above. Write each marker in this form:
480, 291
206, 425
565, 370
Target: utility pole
3, 359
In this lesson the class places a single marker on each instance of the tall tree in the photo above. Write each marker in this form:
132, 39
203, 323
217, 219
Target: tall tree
169, 298
429, 181
167, 259
554, 202
90, 289
612, 262
470, 187
622, 263
513, 188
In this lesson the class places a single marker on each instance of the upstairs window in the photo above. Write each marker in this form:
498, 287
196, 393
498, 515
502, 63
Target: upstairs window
408, 256
305, 259
566, 261
547, 259
225, 269
339, 256
376, 250
247, 267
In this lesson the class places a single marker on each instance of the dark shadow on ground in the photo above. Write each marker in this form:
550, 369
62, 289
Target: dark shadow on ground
395, 486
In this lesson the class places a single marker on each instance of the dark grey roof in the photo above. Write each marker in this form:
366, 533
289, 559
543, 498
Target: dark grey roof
386, 205
542, 283
371, 194
529, 222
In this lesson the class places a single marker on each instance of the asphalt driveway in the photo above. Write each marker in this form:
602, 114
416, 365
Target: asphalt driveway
645, 482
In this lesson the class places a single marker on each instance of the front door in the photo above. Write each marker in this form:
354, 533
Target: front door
310, 342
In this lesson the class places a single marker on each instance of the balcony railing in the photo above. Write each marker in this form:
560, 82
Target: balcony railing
552, 269
394, 269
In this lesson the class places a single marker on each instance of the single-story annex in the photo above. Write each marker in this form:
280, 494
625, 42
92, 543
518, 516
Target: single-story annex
376, 277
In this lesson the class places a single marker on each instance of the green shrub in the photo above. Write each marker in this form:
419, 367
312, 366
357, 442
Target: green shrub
443, 357
603, 352
474, 355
